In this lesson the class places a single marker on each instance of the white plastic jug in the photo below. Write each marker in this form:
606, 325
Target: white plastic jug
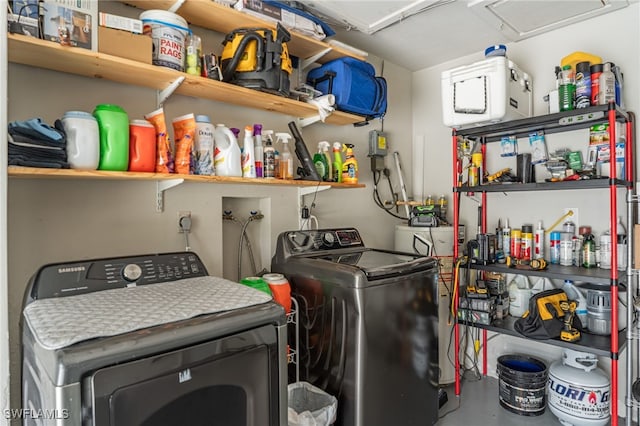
83, 140
519, 294
227, 152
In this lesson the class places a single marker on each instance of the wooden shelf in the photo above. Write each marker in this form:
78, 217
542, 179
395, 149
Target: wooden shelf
43, 173
49, 55
220, 18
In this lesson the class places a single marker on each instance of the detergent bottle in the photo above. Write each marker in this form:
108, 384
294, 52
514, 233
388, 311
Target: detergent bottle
337, 162
227, 152
286, 162
248, 154
320, 161
350, 165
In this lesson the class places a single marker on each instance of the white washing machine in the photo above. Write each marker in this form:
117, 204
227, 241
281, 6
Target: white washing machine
436, 242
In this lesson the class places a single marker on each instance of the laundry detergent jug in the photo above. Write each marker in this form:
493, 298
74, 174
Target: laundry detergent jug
113, 123
519, 295
83, 140
227, 152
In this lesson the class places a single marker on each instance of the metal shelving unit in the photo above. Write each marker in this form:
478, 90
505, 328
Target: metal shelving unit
556, 123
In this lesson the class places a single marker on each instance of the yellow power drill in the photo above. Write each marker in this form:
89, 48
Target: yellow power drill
569, 333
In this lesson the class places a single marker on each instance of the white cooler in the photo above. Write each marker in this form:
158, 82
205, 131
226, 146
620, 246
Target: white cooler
491, 90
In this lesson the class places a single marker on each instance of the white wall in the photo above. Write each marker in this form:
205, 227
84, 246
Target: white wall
615, 37
67, 219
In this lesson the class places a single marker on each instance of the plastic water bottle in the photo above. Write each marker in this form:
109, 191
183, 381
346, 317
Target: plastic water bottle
567, 89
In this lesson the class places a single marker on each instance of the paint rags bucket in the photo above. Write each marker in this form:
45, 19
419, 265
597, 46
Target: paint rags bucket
522, 382
168, 32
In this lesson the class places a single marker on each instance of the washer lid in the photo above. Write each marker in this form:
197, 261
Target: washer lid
378, 264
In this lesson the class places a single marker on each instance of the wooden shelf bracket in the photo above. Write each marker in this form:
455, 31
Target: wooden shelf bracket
161, 186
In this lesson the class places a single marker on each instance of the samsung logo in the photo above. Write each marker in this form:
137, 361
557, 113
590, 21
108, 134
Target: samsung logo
71, 269
184, 376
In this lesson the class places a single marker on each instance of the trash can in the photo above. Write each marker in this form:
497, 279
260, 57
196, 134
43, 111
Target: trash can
310, 406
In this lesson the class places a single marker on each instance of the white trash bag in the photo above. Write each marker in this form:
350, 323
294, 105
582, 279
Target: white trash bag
310, 406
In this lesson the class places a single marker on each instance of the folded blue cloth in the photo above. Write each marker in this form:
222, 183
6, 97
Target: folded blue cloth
19, 160
37, 129
38, 153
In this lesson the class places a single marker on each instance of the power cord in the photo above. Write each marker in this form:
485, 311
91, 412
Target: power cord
185, 226
377, 175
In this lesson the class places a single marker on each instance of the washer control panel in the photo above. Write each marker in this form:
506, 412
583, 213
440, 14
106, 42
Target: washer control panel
66, 279
321, 239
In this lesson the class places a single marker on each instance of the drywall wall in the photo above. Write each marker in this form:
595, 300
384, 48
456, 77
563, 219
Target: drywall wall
615, 37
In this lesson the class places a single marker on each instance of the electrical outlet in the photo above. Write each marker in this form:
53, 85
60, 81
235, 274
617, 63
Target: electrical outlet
184, 214
575, 217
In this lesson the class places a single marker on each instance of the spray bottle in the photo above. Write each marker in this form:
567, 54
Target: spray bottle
286, 162
327, 156
258, 150
337, 162
269, 164
350, 165
320, 161
248, 156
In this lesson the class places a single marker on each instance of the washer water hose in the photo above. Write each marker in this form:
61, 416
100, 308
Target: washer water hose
244, 238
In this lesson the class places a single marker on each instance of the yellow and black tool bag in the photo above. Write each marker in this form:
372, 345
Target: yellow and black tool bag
545, 318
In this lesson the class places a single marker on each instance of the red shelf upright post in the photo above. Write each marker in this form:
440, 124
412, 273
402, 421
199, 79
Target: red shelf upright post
457, 173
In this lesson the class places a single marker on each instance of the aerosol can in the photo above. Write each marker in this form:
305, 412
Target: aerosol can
350, 165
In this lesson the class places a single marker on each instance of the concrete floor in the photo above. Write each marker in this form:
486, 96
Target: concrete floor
478, 405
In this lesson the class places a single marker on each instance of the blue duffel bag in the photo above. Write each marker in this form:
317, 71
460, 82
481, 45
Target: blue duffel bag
354, 84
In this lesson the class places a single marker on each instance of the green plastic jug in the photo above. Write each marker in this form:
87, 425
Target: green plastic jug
113, 124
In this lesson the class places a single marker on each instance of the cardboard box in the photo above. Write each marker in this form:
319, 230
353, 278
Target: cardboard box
71, 23
124, 44
120, 23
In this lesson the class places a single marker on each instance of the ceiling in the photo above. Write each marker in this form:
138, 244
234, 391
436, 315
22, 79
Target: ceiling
417, 34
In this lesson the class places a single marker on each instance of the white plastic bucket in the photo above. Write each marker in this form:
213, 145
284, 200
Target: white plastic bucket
168, 32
